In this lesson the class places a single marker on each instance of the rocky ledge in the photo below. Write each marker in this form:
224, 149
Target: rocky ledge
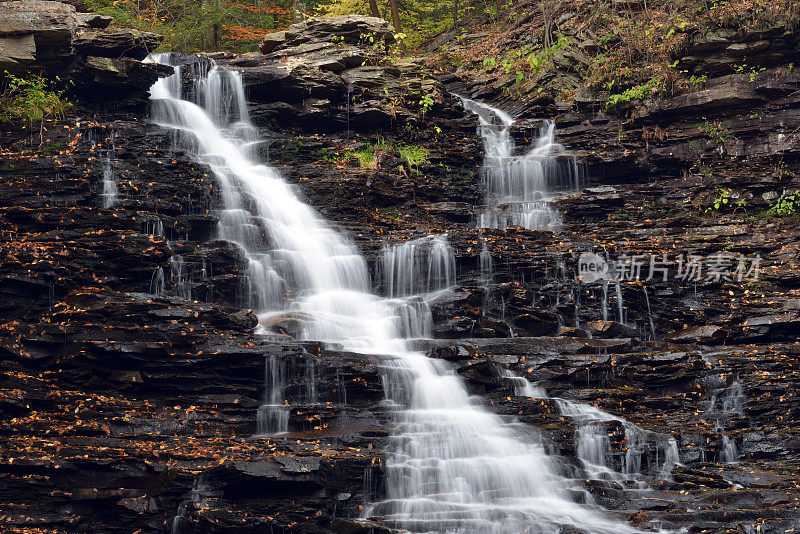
53, 38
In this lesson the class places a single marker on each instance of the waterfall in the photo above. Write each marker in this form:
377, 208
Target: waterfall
729, 454
454, 465
729, 401
109, 195
522, 386
179, 278
418, 266
273, 414
520, 188
593, 446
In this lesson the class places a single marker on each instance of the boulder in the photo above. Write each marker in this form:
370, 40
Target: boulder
94, 20
51, 37
117, 42
611, 329
349, 29
36, 33
123, 74
272, 41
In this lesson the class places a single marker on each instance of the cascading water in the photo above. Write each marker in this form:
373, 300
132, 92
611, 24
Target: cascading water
594, 447
520, 188
273, 414
109, 195
455, 466
418, 266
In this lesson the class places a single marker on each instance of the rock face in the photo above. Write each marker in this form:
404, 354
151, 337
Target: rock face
52, 38
335, 72
346, 29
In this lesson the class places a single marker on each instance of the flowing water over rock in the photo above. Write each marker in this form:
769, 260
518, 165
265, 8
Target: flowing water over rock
454, 465
521, 187
418, 266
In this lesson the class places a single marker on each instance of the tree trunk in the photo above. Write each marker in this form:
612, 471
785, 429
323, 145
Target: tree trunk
298, 11
373, 7
396, 22
547, 15
455, 14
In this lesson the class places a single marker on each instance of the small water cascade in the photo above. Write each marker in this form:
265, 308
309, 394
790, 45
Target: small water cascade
594, 447
158, 283
620, 304
312, 396
273, 415
179, 278
109, 195
487, 264
728, 401
649, 314
522, 386
520, 188
729, 453
200, 491
418, 266
453, 465
153, 227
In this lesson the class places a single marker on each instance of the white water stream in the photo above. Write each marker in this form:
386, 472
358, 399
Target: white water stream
520, 188
454, 466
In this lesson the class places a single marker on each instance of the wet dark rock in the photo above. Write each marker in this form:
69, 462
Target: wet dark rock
709, 334
610, 329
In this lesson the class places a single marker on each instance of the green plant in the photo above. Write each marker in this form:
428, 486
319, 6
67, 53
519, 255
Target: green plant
698, 81
725, 201
752, 72
31, 99
413, 154
640, 92
425, 103
364, 156
717, 132
786, 205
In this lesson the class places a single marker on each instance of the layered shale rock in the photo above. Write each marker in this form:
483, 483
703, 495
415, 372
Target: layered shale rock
47, 37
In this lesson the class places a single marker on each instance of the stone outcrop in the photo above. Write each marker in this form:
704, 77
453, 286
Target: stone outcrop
52, 38
344, 29
335, 72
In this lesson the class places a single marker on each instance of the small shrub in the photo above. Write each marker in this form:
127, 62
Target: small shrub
787, 205
640, 92
725, 201
31, 99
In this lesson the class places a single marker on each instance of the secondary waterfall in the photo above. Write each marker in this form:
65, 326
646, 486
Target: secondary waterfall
418, 266
520, 187
455, 466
